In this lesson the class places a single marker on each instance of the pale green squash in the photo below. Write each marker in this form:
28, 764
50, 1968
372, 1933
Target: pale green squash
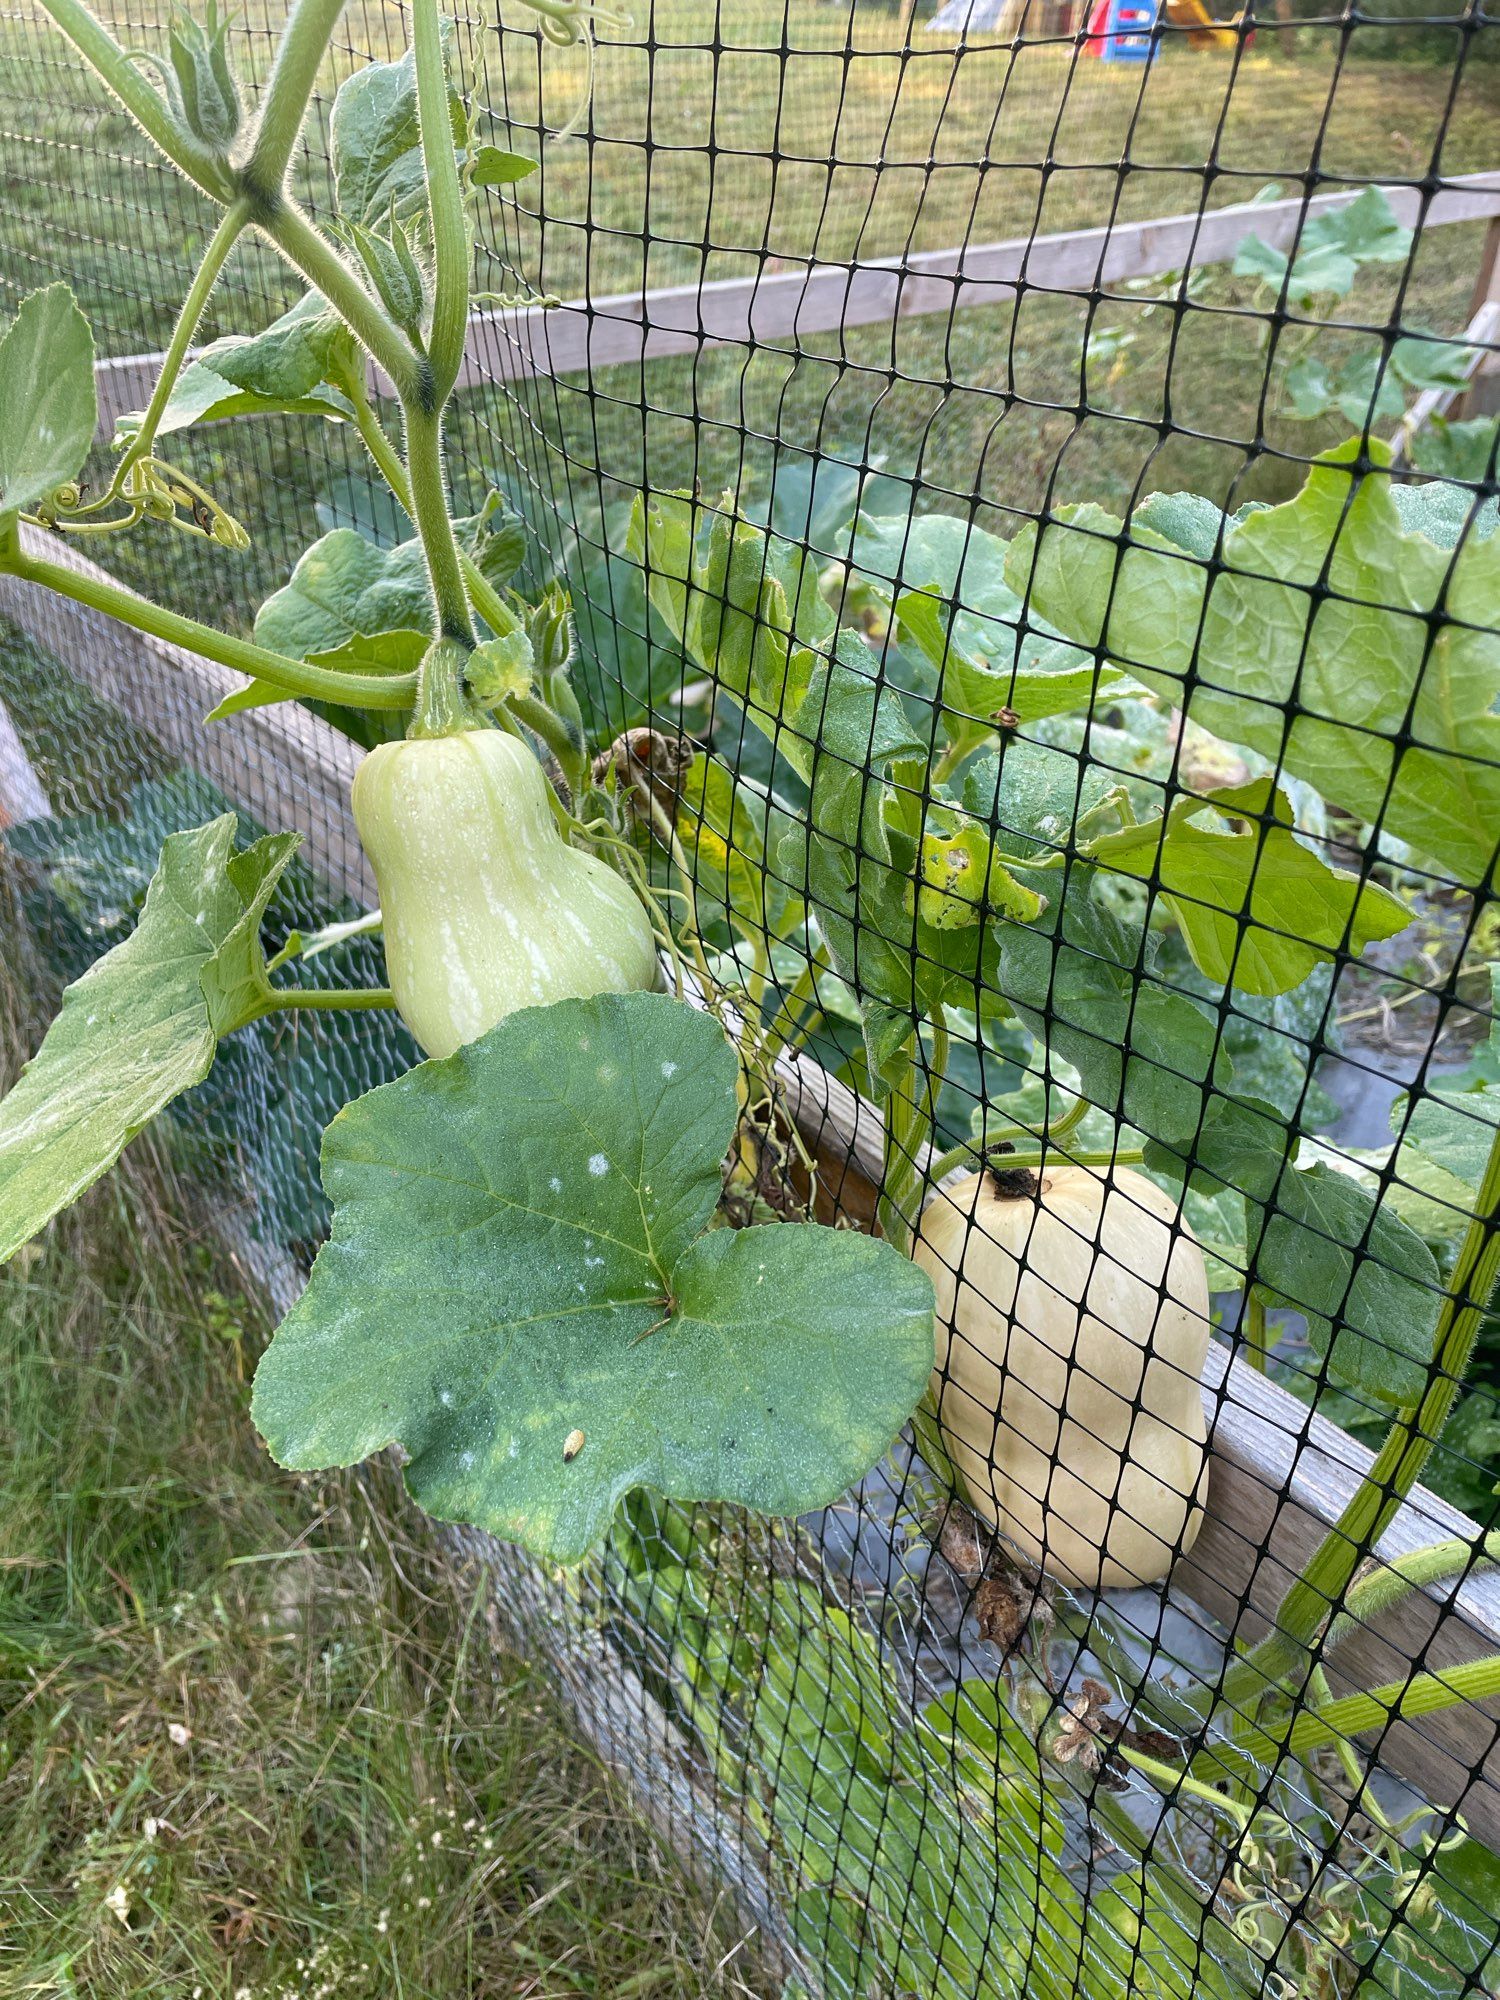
487, 908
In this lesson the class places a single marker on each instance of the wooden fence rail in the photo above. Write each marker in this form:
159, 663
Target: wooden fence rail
785, 306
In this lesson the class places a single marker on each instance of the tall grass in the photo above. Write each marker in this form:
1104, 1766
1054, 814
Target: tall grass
257, 1737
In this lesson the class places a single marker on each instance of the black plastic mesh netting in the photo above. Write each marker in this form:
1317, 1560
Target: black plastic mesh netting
1159, 545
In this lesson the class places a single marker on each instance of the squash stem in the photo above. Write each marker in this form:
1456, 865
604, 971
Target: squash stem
1419, 1694
424, 469
1257, 1334
326, 999
442, 708
452, 241
304, 43
199, 163
911, 1113
483, 596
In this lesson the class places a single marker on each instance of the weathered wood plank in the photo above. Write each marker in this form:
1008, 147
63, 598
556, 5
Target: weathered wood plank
631, 327
784, 305
1281, 1477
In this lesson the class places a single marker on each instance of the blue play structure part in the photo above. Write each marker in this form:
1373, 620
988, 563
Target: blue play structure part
1125, 32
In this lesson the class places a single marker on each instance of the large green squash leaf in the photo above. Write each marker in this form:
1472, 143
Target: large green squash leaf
1257, 906
522, 1289
348, 592
1349, 649
1039, 679
48, 408
141, 1026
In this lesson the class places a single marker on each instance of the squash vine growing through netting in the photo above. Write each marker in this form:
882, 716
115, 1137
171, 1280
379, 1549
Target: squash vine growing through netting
532, 1284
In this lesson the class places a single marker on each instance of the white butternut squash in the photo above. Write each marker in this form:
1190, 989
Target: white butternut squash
1072, 1329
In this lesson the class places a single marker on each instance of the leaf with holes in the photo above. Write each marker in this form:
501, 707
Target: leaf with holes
48, 407
141, 1026
522, 1288
723, 825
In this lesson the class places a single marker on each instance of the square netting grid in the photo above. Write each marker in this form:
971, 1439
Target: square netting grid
1083, 605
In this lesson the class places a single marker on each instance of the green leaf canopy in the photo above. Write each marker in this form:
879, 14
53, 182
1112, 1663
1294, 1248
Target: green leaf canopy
1335, 641
48, 408
522, 1289
141, 1026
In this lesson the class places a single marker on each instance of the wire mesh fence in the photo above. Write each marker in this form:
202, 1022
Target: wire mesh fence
1041, 465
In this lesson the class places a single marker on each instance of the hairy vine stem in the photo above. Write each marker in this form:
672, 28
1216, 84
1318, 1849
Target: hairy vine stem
296, 677
483, 596
452, 243
304, 43
310, 253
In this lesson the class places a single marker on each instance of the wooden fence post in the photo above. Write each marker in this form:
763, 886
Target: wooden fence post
1482, 397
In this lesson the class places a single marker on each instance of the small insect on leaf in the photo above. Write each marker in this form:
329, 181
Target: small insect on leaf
572, 1445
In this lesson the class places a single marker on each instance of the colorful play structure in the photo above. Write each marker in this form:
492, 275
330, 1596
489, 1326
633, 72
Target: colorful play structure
1117, 31
1120, 30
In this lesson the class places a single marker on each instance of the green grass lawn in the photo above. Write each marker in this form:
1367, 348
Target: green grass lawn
876, 152
257, 1741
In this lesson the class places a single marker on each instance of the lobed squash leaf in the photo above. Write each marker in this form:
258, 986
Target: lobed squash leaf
523, 1289
1039, 680
354, 604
